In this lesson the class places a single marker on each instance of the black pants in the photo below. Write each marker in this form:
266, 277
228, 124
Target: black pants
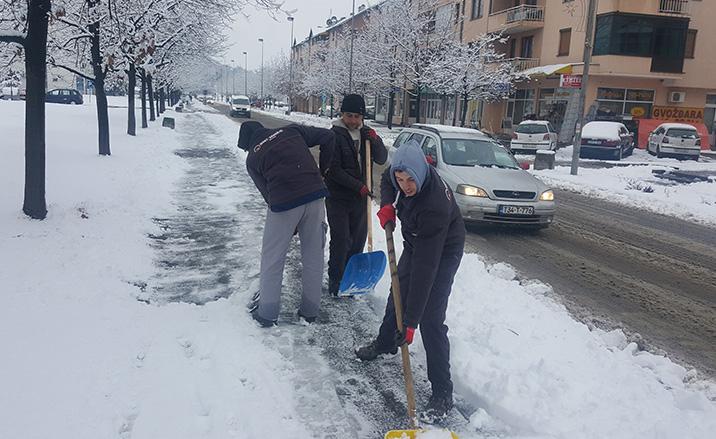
433, 329
349, 229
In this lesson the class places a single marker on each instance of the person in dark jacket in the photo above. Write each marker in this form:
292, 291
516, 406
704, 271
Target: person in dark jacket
286, 174
346, 205
434, 238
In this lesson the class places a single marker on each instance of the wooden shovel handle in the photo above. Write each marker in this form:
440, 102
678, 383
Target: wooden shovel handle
369, 184
395, 292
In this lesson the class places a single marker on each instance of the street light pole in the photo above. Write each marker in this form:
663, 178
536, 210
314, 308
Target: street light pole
233, 77
261, 40
246, 73
587, 58
290, 69
350, 68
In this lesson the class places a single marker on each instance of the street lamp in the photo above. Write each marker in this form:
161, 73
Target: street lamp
350, 68
290, 69
261, 40
246, 72
233, 77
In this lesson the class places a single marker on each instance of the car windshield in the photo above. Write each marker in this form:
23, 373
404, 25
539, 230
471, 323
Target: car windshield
531, 128
681, 132
475, 152
241, 101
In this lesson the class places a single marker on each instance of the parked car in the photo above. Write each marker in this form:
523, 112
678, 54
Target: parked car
675, 139
490, 186
601, 139
531, 135
240, 106
64, 96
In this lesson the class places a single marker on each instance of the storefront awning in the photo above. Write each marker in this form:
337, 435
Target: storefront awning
549, 70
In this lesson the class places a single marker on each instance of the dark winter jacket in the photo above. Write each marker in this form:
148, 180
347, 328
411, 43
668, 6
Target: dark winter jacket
282, 167
432, 228
347, 176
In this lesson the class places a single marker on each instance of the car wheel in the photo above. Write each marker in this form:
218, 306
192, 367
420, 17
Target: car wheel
72, 102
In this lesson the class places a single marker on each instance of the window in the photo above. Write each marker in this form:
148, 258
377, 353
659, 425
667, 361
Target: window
430, 148
522, 106
401, 139
476, 9
690, 43
618, 101
526, 49
565, 38
417, 137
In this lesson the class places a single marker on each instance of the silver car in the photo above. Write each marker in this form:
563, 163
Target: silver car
675, 139
490, 186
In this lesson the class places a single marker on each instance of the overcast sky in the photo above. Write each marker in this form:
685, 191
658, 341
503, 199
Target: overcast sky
277, 33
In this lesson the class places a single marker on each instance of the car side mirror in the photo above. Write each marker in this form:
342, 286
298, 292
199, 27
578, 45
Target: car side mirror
525, 165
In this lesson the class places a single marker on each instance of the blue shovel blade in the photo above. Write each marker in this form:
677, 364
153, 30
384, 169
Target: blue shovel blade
362, 274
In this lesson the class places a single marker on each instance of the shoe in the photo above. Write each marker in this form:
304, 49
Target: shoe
265, 323
373, 350
305, 320
333, 289
437, 409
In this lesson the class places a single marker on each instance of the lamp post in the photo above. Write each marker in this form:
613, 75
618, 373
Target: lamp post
350, 68
261, 40
233, 77
290, 69
246, 73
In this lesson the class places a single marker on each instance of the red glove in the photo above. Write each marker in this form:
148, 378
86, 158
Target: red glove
369, 133
364, 191
405, 337
386, 215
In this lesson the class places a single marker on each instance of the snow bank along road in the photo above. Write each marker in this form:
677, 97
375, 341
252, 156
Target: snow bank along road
618, 266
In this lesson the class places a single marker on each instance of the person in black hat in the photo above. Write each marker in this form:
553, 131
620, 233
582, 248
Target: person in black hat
291, 183
346, 181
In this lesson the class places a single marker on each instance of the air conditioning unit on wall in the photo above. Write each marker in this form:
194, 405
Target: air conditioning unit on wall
677, 97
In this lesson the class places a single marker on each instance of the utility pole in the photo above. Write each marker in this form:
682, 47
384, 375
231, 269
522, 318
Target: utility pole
587, 58
353, 31
261, 40
233, 77
246, 73
290, 69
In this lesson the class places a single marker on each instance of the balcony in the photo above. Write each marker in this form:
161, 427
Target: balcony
522, 64
521, 18
676, 7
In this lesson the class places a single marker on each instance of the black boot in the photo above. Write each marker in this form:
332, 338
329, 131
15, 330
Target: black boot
437, 409
375, 349
254, 302
302, 318
265, 323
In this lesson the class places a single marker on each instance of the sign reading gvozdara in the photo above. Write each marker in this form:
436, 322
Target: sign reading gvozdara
678, 114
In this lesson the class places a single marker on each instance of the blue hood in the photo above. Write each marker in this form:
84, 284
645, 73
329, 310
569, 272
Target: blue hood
410, 158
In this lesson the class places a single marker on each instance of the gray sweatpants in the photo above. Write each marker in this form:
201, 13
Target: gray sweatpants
309, 219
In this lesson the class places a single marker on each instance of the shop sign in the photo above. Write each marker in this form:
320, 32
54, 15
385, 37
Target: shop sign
570, 81
678, 114
637, 111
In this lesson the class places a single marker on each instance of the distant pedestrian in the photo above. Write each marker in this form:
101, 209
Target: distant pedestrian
346, 205
434, 239
286, 174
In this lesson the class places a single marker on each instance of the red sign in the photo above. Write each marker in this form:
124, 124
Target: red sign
570, 81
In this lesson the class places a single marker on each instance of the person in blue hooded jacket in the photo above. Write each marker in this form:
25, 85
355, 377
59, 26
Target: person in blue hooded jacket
434, 238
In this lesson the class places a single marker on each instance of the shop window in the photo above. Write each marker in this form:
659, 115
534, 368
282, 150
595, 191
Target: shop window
565, 38
690, 43
522, 106
619, 101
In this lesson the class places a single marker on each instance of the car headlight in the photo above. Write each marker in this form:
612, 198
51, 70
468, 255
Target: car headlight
547, 195
471, 191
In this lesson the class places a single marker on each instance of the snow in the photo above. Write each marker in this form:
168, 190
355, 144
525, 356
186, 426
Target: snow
601, 130
83, 358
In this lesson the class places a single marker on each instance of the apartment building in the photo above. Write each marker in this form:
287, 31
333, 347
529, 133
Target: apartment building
652, 60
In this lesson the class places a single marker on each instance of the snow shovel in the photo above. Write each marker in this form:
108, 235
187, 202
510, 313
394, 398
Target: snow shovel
364, 270
413, 432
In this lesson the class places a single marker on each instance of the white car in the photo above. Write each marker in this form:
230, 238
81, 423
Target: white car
531, 135
489, 185
675, 139
240, 106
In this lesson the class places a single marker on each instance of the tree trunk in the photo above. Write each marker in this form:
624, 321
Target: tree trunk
464, 110
99, 75
391, 109
131, 119
150, 97
35, 44
143, 77
417, 105
162, 98
454, 113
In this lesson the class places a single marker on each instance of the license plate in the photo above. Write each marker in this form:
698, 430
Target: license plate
594, 142
516, 210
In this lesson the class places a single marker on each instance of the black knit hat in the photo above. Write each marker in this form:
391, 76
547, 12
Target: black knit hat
353, 104
246, 132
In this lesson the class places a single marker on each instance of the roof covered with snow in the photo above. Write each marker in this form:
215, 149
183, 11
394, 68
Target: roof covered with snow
445, 129
683, 126
602, 130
